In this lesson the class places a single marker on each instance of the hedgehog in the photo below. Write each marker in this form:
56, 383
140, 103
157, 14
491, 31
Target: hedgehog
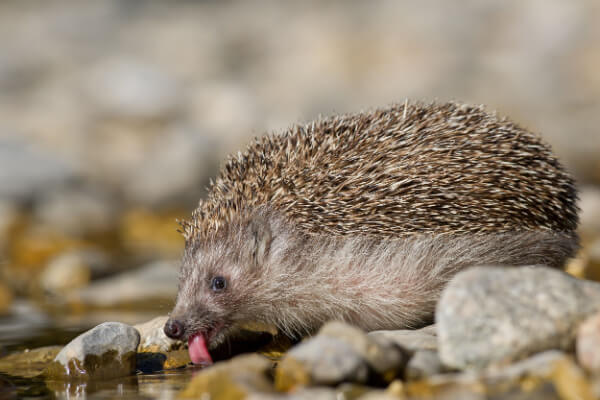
364, 218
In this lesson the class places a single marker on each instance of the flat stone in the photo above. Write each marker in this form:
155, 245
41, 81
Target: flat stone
235, 379
381, 353
104, 352
491, 315
320, 360
409, 339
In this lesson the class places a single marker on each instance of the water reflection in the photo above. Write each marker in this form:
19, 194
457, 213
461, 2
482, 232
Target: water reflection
164, 385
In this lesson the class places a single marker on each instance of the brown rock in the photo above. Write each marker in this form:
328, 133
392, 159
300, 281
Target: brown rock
231, 380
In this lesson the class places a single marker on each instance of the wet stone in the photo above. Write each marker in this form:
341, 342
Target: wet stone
237, 378
104, 352
321, 360
493, 315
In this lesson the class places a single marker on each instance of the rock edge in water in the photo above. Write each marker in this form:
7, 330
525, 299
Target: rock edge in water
104, 352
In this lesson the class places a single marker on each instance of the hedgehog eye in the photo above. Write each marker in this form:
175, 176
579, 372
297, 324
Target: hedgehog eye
218, 283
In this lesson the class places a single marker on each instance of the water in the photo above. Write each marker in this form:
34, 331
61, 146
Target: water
162, 385
29, 328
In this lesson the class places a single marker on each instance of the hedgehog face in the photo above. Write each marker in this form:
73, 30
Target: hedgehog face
217, 286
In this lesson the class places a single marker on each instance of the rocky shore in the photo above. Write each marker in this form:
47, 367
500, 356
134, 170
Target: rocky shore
499, 332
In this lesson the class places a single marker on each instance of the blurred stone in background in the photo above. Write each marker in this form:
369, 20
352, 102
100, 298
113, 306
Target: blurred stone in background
114, 115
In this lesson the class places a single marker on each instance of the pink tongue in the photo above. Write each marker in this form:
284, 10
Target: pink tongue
198, 350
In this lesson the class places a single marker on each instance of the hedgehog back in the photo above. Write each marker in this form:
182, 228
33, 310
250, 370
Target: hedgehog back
429, 169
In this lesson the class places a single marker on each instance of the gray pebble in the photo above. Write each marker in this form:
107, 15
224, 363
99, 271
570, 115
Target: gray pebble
327, 361
381, 353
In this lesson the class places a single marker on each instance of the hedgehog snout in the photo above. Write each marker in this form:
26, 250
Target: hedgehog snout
174, 329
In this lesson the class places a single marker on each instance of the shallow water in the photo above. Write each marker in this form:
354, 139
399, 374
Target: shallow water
163, 385
18, 334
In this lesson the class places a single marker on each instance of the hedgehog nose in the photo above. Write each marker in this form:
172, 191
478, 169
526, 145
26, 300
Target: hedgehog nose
174, 329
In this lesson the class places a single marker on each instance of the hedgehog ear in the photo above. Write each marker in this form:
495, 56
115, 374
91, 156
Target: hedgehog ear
261, 237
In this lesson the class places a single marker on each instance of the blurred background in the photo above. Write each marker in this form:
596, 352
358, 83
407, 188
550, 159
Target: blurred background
114, 115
